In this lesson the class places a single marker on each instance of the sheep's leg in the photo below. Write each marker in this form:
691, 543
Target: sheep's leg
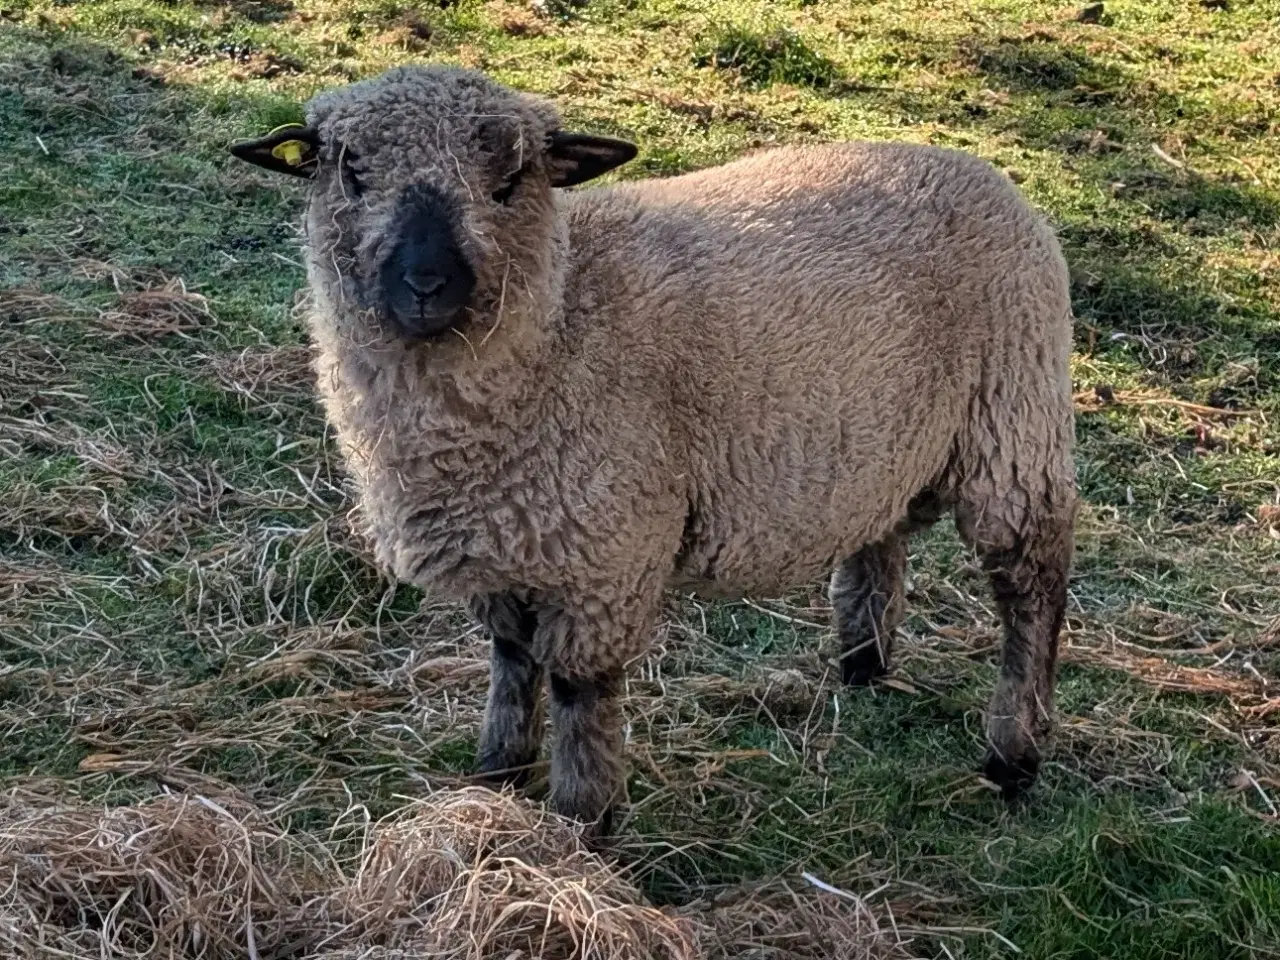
868, 604
868, 594
1029, 571
586, 644
512, 728
586, 751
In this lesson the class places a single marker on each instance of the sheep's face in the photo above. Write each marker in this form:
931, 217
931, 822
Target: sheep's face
432, 197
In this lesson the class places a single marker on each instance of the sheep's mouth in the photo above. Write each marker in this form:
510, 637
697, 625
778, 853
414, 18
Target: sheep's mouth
428, 305
425, 324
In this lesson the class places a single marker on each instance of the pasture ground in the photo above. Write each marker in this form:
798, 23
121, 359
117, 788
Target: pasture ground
183, 607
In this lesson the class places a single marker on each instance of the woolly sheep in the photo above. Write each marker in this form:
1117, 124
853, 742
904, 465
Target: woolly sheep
555, 405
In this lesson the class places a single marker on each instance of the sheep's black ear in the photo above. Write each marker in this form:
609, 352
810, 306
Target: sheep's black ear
577, 157
290, 149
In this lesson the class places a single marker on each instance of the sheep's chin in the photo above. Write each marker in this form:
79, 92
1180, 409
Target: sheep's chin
430, 329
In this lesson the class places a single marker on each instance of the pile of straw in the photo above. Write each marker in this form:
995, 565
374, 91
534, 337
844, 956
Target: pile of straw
172, 877
462, 875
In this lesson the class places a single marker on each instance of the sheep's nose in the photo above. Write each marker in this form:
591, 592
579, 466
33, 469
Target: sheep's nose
426, 280
426, 286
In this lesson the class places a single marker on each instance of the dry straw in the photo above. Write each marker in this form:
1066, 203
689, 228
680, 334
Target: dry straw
156, 312
462, 875
473, 875
172, 877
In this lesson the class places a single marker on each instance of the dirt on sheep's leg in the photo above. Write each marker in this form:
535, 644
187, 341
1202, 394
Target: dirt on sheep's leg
1030, 584
511, 732
586, 751
868, 604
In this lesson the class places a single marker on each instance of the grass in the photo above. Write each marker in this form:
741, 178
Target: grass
184, 606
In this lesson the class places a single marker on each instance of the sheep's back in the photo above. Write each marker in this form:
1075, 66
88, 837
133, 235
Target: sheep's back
821, 318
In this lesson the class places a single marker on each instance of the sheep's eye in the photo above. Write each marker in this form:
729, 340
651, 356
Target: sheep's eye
351, 174
503, 194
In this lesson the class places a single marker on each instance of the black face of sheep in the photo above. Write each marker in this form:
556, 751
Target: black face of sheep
409, 193
424, 281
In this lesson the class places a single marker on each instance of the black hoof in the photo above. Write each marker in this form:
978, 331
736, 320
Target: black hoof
598, 836
1013, 777
857, 670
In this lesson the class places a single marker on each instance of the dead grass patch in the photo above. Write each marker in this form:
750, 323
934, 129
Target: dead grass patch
90, 513
259, 375
155, 312
517, 21
472, 874
459, 875
123, 279
1102, 397
25, 304
100, 454
176, 876
793, 921
401, 38
33, 380
1166, 675
1112, 751
65, 511
267, 66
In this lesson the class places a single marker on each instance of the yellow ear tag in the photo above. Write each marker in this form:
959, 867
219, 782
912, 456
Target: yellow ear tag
290, 151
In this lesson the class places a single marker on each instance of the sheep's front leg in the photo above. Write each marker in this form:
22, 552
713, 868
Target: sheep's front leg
586, 750
512, 728
586, 646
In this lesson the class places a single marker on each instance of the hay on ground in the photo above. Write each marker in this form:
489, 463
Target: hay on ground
262, 373
461, 875
157, 312
784, 921
474, 875
176, 876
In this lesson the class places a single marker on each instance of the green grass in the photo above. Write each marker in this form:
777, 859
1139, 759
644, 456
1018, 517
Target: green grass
181, 589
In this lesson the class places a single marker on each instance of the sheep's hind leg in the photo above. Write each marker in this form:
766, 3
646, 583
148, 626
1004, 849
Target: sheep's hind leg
512, 728
1029, 566
868, 594
868, 604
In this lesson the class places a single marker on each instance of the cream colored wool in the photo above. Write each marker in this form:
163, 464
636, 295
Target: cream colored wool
734, 381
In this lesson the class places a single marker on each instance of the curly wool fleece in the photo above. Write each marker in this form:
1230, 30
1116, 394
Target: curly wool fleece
733, 381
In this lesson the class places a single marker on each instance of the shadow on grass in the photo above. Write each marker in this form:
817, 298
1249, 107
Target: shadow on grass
1134, 257
118, 197
1036, 64
763, 58
1125, 284
1136, 236
134, 170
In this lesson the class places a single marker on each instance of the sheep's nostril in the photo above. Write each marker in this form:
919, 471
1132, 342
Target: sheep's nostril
425, 286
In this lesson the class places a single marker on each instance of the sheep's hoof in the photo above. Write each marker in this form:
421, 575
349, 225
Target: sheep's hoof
857, 669
598, 836
1013, 775
498, 772
597, 828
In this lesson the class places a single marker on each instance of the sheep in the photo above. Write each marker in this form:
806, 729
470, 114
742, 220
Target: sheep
557, 405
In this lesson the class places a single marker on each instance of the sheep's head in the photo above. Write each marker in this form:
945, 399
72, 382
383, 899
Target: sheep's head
431, 196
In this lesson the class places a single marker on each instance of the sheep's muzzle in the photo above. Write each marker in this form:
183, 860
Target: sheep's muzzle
425, 279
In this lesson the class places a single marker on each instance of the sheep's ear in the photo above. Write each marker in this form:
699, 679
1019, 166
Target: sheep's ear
577, 158
290, 149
